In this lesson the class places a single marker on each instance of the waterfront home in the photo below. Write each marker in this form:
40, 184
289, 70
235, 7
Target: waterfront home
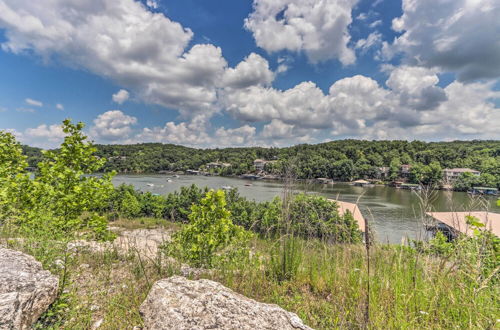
383, 172
452, 174
404, 171
259, 164
354, 209
453, 223
217, 165
361, 183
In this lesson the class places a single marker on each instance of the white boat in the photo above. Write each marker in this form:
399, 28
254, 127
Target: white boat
169, 180
227, 187
150, 185
175, 176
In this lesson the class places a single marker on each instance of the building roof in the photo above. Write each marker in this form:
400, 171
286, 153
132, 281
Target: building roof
354, 209
460, 170
457, 221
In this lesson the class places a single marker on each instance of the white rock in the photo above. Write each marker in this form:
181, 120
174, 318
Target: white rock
26, 290
181, 304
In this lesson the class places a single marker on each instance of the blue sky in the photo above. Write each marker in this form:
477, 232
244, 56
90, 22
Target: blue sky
262, 72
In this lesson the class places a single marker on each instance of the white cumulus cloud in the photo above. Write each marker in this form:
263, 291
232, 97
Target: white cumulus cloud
121, 96
253, 70
317, 27
457, 36
112, 125
121, 40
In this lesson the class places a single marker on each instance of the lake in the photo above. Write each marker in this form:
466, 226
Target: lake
395, 213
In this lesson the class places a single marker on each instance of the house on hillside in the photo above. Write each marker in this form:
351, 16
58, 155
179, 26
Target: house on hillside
260, 164
217, 165
452, 174
383, 172
404, 171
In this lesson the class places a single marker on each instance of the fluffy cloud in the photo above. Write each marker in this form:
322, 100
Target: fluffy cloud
186, 133
241, 136
121, 96
412, 106
121, 40
459, 36
319, 28
43, 136
254, 70
34, 103
112, 125
416, 87
59, 106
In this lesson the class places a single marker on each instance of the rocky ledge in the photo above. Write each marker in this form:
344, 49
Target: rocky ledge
26, 290
179, 303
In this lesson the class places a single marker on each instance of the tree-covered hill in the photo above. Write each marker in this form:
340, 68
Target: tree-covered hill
342, 159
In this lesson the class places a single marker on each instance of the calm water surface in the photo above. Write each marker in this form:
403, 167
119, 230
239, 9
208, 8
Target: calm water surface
396, 213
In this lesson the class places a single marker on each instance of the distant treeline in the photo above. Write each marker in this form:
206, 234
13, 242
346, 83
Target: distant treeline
341, 160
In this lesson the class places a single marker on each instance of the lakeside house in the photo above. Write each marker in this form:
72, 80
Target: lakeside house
453, 223
214, 165
452, 174
383, 172
260, 164
404, 170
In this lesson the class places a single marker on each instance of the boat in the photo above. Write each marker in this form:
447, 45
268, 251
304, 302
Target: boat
227, 187
248, 184
483, 191
150, 185
175, 176
169, 180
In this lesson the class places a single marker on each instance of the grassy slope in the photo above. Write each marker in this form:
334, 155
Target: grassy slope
408, 290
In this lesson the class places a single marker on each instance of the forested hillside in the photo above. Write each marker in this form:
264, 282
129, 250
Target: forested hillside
342, 159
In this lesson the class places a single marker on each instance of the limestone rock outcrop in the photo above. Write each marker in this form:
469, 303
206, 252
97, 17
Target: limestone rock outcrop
179, 303
26, 290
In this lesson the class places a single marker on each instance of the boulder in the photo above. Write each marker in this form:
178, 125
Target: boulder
26, 290
179, 303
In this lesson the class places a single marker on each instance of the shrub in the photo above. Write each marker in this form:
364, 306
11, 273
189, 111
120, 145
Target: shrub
210, 231
63, 197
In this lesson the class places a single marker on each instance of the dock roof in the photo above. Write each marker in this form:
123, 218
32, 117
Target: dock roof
361, 181
457, 220
354, 209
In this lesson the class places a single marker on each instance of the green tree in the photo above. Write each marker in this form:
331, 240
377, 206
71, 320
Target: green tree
13, 177
209, 231
130, 206
394, 168
64, 197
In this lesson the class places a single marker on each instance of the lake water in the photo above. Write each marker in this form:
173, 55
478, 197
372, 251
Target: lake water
395, 213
